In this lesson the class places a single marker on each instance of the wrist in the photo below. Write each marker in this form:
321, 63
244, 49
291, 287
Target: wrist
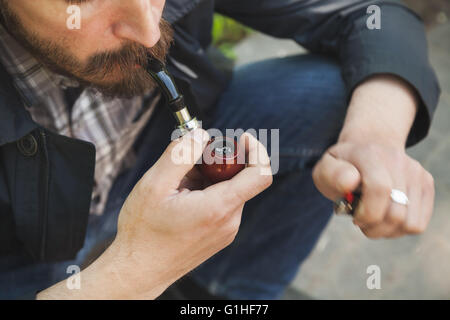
112, 276
130, 275
382, 111
366, 134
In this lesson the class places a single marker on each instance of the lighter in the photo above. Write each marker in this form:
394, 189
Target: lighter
223, 150
348, 204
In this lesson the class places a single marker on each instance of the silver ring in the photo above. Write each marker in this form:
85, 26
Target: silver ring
399, 197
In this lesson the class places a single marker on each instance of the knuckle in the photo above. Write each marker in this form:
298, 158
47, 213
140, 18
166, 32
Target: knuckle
401, 156
370, 234
266, 181
371, 218
381, 189
398, 155
416, 166
368, 216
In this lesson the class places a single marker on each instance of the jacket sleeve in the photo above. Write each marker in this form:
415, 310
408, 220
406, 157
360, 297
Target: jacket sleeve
339, 28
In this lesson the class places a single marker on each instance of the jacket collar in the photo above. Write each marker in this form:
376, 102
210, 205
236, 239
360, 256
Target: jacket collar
177, 9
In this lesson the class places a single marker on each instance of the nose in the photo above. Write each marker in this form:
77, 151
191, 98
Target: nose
138, 22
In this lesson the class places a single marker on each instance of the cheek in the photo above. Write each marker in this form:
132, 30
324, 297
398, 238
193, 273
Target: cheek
95, 34
50, 22
42, 20
93, 37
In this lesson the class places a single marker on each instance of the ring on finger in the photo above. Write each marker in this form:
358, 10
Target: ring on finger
399, 197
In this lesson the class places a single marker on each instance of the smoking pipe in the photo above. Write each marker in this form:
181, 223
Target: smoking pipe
223, 150
174, 100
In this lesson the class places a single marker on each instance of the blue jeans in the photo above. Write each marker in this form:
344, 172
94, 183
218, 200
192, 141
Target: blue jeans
302, 96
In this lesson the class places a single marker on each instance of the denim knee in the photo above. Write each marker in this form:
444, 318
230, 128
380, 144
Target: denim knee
304, 97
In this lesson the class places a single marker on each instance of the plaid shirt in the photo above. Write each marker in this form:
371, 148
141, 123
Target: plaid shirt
112, 125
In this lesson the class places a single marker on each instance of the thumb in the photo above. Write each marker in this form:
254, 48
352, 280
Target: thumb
178, 159
334, 177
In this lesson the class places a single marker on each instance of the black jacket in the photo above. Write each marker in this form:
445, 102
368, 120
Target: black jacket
46, 179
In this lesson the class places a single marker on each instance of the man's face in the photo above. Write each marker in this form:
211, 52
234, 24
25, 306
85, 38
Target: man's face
107, 52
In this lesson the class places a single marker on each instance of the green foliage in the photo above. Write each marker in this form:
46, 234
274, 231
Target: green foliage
226, 33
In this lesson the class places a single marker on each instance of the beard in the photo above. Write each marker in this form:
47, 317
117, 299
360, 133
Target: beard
119, 73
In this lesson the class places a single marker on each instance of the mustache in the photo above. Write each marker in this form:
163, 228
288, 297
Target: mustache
125, 60
130, 57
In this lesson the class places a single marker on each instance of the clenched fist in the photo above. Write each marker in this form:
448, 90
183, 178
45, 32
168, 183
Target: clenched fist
378, 169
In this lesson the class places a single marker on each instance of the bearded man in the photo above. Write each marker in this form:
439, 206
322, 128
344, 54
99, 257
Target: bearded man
86, 175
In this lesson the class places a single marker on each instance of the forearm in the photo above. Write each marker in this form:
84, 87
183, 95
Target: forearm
109, 277
383, 109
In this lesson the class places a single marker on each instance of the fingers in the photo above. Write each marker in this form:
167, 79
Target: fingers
381, 170
376, 185
254, 179
396, 213
428, 196
177, 160
421, 199
335, 177
391, 226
